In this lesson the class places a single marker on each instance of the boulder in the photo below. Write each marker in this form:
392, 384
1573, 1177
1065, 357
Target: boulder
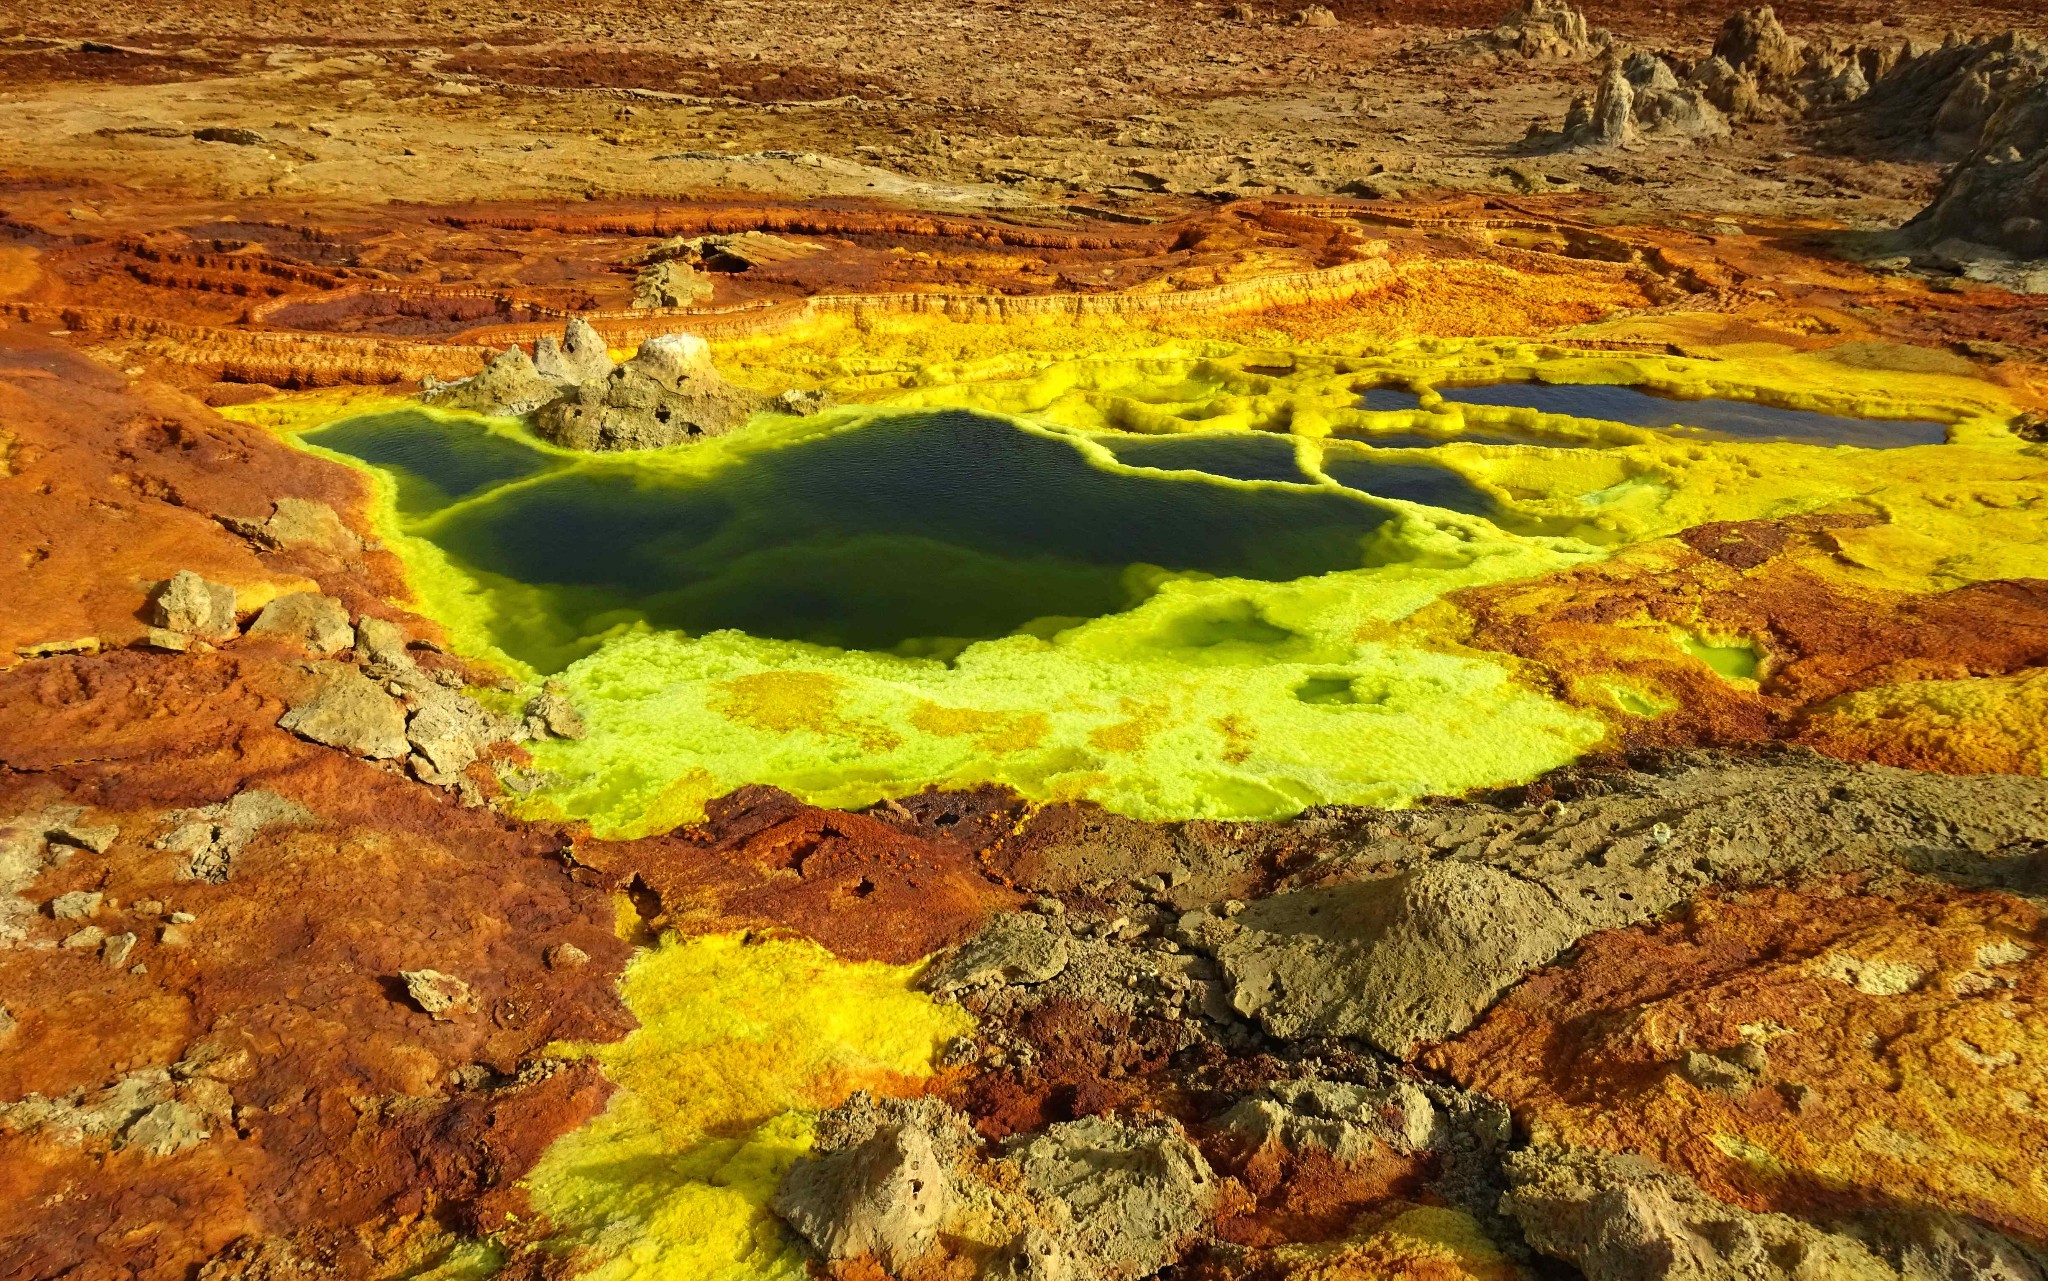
883, 1197
550, 714
195, 606
1409, 958
349, 711
315, 623
667, 394
1125, 1198
1622, 1218
449, 730
440, 996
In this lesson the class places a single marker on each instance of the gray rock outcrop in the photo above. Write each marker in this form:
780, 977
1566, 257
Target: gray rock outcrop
315, 623
1098, 1199
1350, 1122
1998, 195
670, 283
510, 385
1400, 960
350, 711
1609, 120
884, 1196
667, 394
580, 357
1621, 1218
1013, 948
1125, 1198
31, 843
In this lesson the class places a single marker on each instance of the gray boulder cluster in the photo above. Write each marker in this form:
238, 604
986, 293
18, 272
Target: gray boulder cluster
1982, 104
1640, 96
1543, 31
383, 705
578, 397
386, 706
1998, 194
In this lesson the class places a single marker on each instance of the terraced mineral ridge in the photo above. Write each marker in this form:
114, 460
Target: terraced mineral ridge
946, 641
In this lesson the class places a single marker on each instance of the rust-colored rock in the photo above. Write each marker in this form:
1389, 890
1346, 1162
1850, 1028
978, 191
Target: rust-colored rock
1896, 1037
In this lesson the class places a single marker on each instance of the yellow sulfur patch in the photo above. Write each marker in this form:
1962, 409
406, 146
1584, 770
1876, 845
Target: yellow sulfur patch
741, 1038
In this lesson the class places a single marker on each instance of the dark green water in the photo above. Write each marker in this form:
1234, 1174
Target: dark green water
1422, 483
433, 463
1244, 457
913, 533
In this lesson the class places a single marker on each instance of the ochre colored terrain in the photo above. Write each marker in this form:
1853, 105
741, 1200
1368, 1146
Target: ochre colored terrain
1630, 860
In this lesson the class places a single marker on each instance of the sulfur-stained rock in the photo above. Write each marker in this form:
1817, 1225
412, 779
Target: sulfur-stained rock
316, 623
349, 711
550, 713
1886, 1026
1397, 1242
211, 836
195, 606
443, 996
1621, 1218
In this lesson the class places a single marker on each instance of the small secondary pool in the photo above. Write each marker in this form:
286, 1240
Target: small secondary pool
1746, 420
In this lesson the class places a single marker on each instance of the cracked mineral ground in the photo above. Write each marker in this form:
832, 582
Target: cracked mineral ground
1388, 640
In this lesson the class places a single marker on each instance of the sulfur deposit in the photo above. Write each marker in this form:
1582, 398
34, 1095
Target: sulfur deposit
924, 642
